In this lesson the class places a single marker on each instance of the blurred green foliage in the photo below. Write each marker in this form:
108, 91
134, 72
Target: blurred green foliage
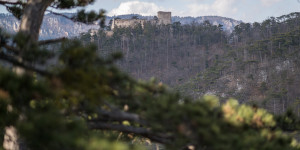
55, 110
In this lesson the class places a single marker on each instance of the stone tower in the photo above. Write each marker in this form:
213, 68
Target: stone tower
113, 24
164, 18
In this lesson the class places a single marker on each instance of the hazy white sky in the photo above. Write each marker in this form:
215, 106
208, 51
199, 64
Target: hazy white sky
245, 10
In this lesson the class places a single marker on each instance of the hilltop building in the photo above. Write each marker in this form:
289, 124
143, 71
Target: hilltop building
163, 18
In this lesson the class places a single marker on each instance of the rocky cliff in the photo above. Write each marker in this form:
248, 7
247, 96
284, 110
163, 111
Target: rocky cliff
57, 26
53, 26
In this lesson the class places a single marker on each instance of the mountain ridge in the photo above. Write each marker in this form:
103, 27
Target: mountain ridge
57, 26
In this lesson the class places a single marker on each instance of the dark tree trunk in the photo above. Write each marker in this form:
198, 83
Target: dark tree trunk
30, 26
32, 18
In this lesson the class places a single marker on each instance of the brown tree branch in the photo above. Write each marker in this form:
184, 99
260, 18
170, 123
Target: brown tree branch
15, 62
130, 129
10, 3
62, 15
11, 48
74, 19
118, 115
51, 41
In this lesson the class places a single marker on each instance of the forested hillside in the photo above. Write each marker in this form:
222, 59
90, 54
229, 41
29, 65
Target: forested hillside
258, 63
171, 53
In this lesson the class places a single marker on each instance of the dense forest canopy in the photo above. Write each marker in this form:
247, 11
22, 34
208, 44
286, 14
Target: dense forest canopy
83, 101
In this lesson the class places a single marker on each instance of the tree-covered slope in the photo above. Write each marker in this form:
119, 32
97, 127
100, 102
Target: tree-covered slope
171, 53
256, 63
260, 65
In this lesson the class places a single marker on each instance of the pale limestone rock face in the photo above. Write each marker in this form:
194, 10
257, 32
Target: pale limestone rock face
53, 26
11, 139
125, 23
164, 18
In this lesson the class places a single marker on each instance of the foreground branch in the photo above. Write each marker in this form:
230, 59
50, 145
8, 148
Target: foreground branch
10, 3
118, 115
11, 48
51, 41
62, 15
129, 129
15, 62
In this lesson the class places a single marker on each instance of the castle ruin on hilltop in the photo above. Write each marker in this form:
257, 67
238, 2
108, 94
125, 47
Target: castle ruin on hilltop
163, 18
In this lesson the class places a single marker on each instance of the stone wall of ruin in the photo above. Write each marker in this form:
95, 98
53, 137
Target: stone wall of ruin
124, 23
164, 17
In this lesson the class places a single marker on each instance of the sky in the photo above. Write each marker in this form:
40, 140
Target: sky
244, 10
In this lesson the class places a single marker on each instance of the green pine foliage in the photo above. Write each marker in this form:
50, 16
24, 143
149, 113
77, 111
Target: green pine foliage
84, 102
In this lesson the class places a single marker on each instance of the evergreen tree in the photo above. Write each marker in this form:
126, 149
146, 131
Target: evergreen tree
84, 102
